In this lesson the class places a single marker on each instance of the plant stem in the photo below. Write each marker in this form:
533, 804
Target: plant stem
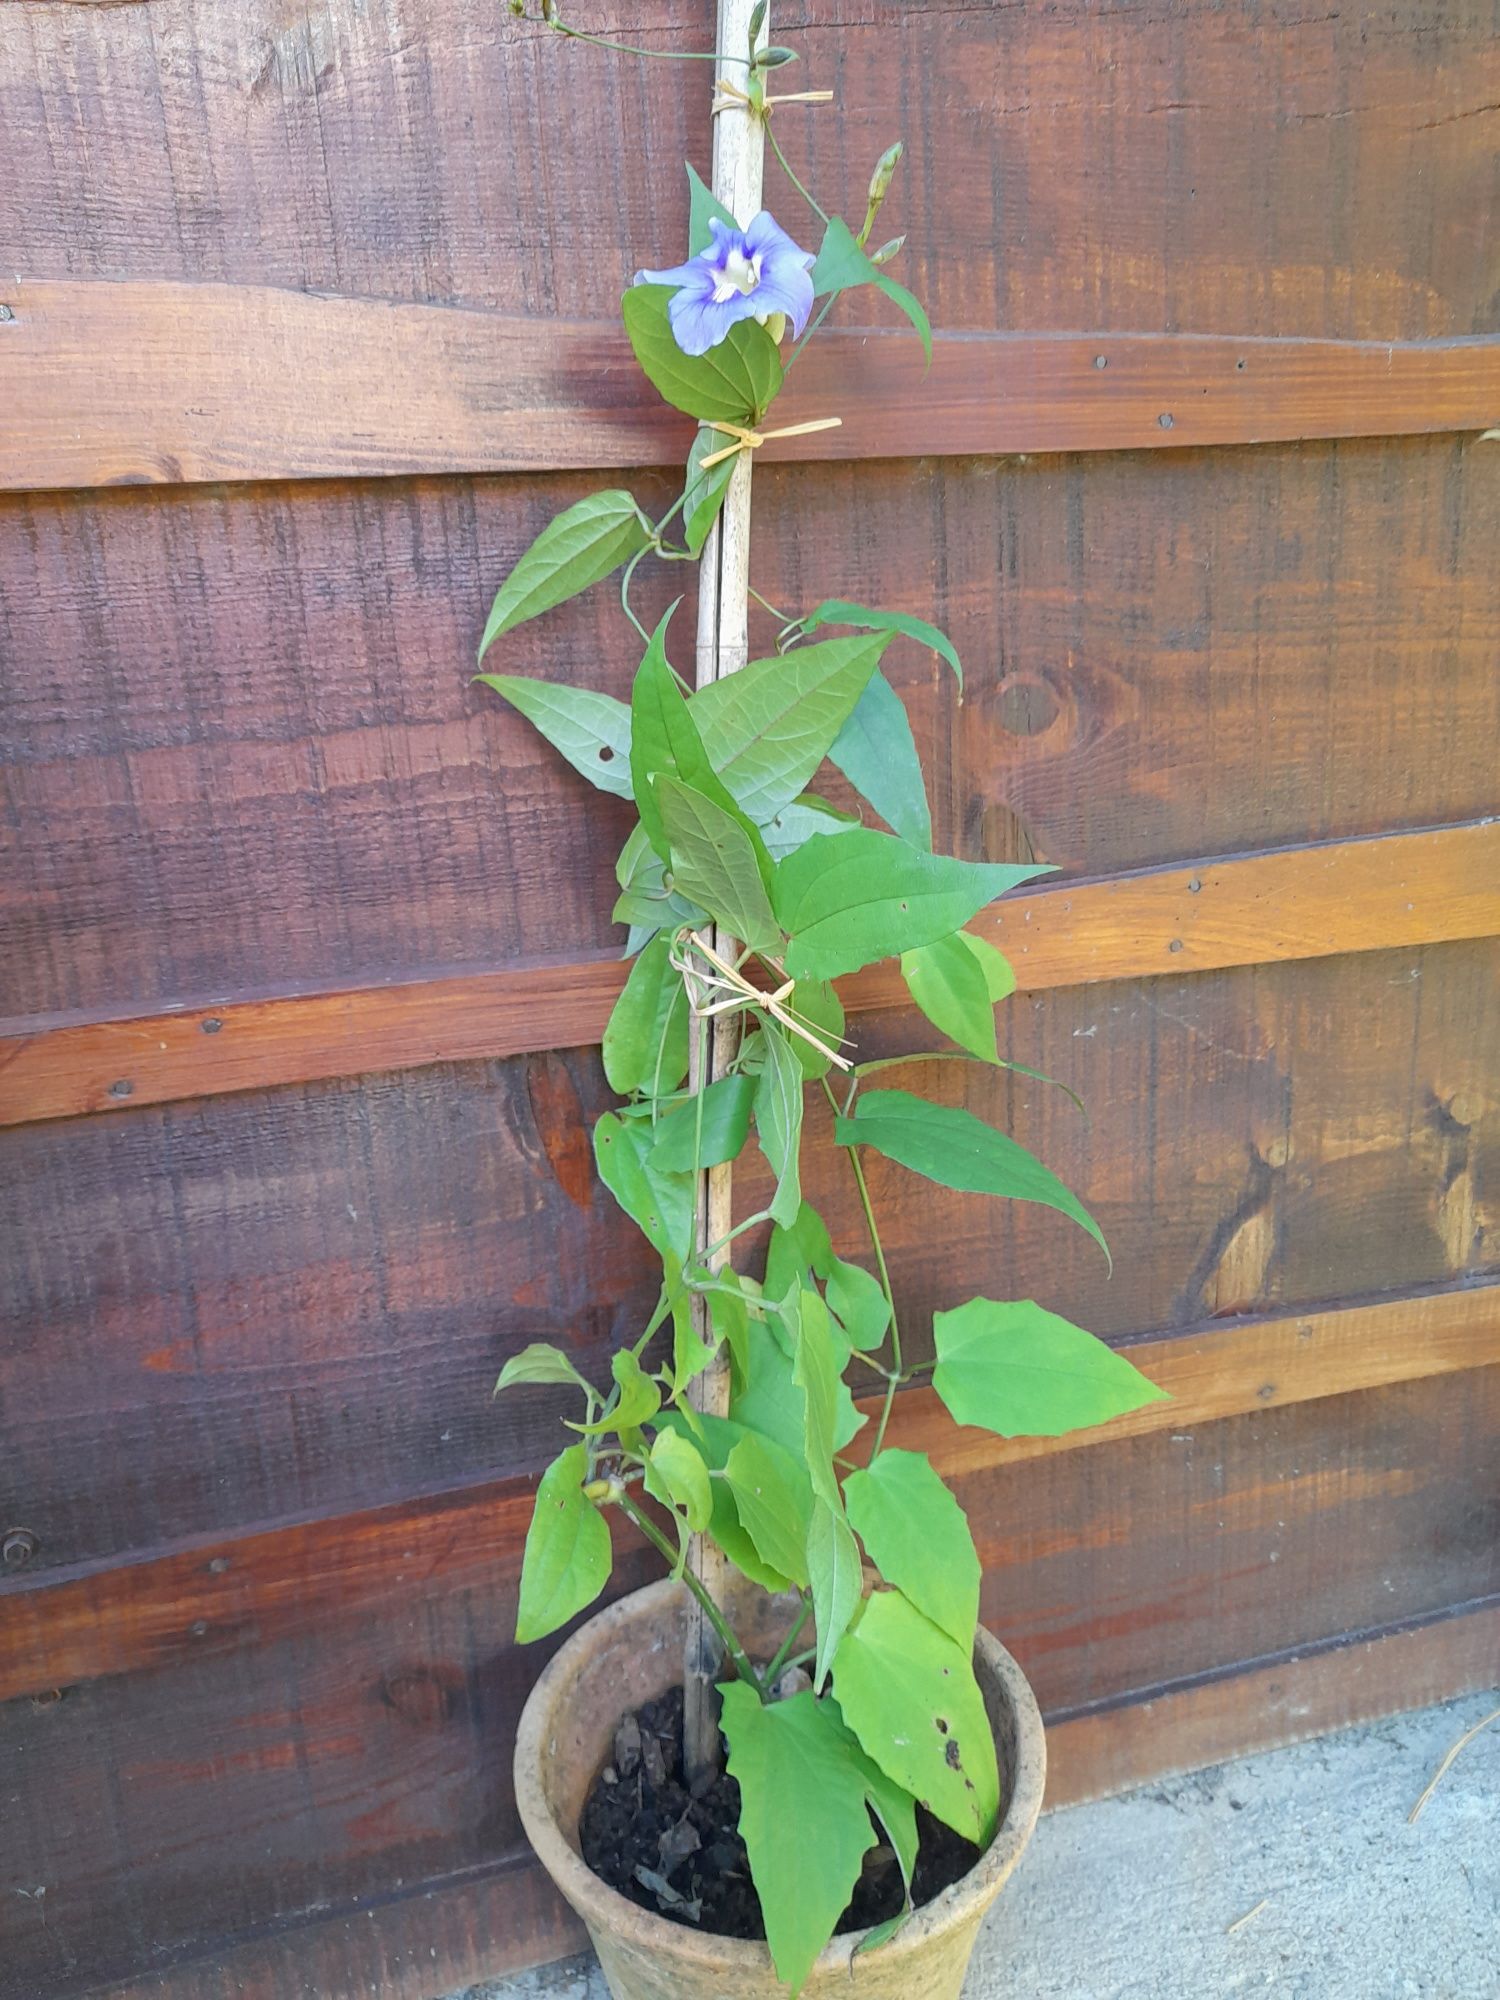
711, 1611
625, 594
823, 312
894, 1378
791, 1639
786, 167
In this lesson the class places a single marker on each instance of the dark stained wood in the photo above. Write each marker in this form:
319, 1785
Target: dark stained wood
291, 1581
294, 1301
302, 1773
1312, 902
130, 384
1153, 170
249, 761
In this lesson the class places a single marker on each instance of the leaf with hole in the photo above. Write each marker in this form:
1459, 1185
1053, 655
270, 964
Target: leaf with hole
877, 753
908, 1692
568, 1555
847, 899
1016, 1369
591, 730
957, 1150
578, 548
915, 1533
735, 382
769, 726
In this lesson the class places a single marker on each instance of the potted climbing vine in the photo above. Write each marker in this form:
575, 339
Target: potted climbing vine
881, 1761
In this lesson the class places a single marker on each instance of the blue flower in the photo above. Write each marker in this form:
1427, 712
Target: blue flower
748, 274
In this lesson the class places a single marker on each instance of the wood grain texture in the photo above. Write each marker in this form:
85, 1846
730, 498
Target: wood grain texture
130, 384
314, 1774
1392, 891
298, 1301
291, 1582
447, 1937
244, 757
1326, 175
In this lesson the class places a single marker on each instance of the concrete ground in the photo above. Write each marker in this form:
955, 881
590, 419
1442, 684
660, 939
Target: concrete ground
1142, 1897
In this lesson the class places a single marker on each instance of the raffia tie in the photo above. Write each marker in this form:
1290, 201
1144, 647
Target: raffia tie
748, 440
724, 990
730, 97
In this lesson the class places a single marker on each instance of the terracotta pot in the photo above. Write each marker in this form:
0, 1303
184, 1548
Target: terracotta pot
632, 1653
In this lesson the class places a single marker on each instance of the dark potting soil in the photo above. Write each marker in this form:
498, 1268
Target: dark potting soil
679, 1854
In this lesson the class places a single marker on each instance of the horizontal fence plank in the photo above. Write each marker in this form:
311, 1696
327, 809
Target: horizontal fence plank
1389, 891
108, 383
165, 1609
450, 1935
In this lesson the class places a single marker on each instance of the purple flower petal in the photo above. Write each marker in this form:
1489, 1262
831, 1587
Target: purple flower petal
710, 296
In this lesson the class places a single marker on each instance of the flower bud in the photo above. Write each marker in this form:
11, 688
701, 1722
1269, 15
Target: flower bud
773, 58
887, 250
757, 22
880, 186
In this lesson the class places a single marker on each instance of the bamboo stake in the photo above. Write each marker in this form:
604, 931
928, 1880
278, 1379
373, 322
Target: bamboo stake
723, 645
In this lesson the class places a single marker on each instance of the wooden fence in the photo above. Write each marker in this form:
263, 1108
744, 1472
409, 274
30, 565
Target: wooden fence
306, 328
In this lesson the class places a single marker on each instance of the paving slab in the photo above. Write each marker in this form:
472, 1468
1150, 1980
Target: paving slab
1293, 1874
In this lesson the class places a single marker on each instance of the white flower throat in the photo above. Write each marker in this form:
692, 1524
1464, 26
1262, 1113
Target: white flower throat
739, 274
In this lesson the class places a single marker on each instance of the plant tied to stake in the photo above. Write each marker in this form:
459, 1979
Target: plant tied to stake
735, 842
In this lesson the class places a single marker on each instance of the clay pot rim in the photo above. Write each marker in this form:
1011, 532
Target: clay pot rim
607, 1909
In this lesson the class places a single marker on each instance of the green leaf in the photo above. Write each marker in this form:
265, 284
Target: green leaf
883, 1933
891, 1804
842, 264
637, 1402
582, 545
730, 1314
645, 900
539, 1362
1020, 1371
660, 1204
908, 1692
677, 1476
778, 1121
948, 983
796, 824
664, 741
877, 753
715, 863
816, 1373
999, 980
769, 726
860, 1305
591, 730
839, 611
803, 1818
726, 1121
704, 207
848, 899
796, 1251
703, 492
957, 1150
768, 1507
915, 1533
773, 1403
568, 1554
835, 1576
719, 1437
646, 1037
816, 1004
734, 382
